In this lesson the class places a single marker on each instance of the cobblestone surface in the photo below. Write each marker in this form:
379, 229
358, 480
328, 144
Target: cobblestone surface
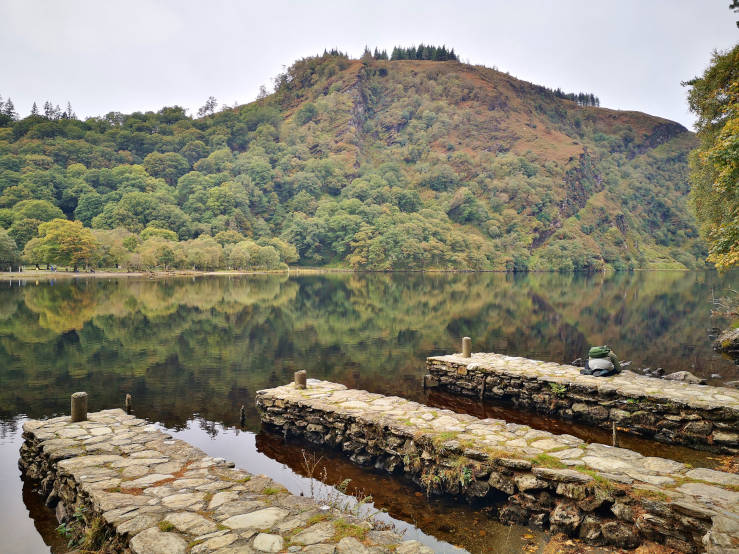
152, 494
669, 411
602, 494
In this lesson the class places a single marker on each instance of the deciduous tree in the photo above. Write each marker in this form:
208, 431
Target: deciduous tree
714, 98
62, 242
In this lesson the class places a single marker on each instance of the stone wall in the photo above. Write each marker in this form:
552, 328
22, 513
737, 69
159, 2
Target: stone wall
119, 485
603, 495
677, 413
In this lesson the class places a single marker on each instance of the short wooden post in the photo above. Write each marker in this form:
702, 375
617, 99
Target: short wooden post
301, 379
615, 438
79, 406
242, 416
466, 347
129, 403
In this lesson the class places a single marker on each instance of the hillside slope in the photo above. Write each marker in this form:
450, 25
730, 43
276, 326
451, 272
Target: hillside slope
371, 164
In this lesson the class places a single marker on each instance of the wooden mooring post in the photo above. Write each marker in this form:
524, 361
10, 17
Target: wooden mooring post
129, 403
615, 437
78, 409
466, 347
301, 379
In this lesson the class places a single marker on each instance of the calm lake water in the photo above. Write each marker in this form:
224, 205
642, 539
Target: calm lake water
191, 351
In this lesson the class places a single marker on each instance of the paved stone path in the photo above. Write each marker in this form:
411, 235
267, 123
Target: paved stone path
673, 412
156, 494
632, 385
359, 415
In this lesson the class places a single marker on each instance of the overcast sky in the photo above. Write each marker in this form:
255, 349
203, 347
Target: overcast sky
134, 55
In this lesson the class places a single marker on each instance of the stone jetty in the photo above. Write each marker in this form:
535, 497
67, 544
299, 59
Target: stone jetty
601, 494
699, 416
120, 485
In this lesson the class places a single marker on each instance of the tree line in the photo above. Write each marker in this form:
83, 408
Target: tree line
68, 244
424, 52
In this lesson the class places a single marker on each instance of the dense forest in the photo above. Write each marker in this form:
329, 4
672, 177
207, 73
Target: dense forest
413, 162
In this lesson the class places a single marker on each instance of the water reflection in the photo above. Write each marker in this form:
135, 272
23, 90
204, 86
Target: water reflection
195, 350
206, 345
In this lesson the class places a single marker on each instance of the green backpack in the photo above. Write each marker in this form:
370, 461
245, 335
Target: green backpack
599, 351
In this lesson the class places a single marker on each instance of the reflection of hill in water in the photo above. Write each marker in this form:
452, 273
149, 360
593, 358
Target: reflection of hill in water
206, 345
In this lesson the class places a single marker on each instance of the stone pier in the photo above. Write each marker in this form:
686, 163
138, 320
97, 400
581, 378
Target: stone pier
673, 412
601, 494
120, 485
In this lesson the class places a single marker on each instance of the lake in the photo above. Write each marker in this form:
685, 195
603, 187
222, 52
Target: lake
191, 351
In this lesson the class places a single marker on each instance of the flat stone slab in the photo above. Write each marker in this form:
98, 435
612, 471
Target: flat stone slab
676, 412
161, 495
698, 396
425, 442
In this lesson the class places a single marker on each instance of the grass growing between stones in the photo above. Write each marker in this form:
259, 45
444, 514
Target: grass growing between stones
445, 436
545, 460
273, 490
165, 526
649, 494
682, 480
95, 536
317, 519
600, 481
345, 529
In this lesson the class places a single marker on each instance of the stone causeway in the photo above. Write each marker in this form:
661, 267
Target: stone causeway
601, 494
133, 488
674, 412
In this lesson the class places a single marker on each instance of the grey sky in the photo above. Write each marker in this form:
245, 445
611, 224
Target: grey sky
141, 55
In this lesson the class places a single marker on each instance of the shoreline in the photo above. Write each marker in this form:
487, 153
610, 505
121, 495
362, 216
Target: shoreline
46, 275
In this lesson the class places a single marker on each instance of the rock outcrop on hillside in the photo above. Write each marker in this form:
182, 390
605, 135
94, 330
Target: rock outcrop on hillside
728, 342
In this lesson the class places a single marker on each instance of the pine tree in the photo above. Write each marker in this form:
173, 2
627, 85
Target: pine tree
34, 109
9, 109
70, 113
208, 108
48, 110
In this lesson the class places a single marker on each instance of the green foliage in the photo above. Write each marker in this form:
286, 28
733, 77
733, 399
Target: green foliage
23, 230
422, 52
366, 164
8, 250
157, 232
62, 242
306, 113
714, 98
558, 388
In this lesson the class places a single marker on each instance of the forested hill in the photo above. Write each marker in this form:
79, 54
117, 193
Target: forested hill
369, 163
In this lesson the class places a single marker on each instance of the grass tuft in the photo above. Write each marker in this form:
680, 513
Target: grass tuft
165, 526
345, 529
545, 460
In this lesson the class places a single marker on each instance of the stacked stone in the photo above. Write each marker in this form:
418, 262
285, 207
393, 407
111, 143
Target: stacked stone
673, 412
138, 490
603, 495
